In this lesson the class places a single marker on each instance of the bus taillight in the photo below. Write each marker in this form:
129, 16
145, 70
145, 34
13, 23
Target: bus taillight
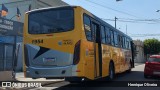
76, 57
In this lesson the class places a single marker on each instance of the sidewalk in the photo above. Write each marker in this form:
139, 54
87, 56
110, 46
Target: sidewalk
136, 64
20, 77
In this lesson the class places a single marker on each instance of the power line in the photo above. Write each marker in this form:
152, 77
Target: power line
147, 21
112, 9
153, 20
144, 35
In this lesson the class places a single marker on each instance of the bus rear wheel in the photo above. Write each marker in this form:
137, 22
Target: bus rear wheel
130, 67
111, 71
73, 79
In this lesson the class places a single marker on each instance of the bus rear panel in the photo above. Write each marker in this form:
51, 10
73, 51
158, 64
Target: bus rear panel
51, 43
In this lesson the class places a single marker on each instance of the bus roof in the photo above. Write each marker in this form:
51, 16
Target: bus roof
47, 8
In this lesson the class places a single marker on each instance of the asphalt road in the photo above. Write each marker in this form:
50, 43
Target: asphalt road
121, 82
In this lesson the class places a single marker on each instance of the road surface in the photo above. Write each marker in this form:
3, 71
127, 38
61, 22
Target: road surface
121, 82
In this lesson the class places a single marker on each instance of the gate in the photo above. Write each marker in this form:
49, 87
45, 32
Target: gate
6, 57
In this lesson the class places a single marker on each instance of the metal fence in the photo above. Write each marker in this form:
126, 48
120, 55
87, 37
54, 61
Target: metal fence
6, 64
6, 57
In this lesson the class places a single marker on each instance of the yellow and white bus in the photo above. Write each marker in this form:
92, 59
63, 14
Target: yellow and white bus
70, 42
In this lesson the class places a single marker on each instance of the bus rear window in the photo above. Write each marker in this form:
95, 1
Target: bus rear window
51, 21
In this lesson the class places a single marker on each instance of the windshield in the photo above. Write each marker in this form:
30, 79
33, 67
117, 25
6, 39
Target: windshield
153, 59
51, 21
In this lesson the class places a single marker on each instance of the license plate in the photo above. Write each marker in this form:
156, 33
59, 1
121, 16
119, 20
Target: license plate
49, 60
156, 73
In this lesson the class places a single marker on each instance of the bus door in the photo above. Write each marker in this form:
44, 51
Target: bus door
97, 50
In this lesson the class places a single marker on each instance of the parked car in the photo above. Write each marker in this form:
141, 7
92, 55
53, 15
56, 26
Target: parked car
152, 66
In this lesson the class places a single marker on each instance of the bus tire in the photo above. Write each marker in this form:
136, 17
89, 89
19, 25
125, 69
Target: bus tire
73, 80
129, 70
111, 71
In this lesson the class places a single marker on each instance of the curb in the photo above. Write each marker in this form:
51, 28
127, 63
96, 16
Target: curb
138, 64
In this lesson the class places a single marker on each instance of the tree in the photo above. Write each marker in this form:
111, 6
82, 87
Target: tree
151, 46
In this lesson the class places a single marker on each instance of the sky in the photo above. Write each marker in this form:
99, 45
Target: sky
136, 18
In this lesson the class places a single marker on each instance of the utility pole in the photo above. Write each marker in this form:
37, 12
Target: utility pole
126, 29
116, 22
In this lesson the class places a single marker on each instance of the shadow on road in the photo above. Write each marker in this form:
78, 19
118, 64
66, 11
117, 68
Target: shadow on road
101, 85
121, 80
134, 76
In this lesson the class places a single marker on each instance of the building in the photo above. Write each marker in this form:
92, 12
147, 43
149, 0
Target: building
140, 51
25, 5
11, 29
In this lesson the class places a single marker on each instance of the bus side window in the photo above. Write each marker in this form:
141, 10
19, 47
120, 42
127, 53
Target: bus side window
124, 44
127, 43
119, 40
116, 38
108, 36
87, 27
103, 36
112, 37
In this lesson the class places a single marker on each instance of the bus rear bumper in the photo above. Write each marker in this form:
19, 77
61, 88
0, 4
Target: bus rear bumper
59, 72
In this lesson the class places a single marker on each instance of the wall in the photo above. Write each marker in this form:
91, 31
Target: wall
140, 51
23, 6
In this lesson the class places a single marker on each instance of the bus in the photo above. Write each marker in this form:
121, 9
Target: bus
70, 42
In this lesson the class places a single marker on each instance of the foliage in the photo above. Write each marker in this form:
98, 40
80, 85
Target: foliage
151, 46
